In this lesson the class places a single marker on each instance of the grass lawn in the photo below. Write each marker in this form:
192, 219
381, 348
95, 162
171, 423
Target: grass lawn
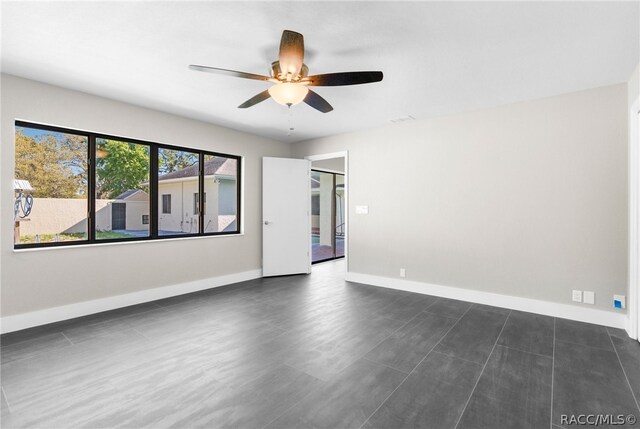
75, 236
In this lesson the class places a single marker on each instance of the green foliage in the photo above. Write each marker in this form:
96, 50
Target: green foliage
54, 164
170, 160
125, 167
72, 236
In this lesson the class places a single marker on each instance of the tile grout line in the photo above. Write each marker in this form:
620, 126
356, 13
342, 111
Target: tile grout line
409, 321
295, 403
525, 351
4, 395
585, 345
456, 357
482, 372
385, 365
633, 395
553, 367
362, 356
67, 338
410, 372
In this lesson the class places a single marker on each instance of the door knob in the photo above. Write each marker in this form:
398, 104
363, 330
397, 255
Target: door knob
266, 222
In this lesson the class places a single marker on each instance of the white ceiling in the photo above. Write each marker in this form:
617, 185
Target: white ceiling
437, 57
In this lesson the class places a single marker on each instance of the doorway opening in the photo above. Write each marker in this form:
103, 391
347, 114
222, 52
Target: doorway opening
328, 220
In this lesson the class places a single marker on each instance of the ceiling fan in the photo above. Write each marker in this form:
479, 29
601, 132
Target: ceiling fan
290, 76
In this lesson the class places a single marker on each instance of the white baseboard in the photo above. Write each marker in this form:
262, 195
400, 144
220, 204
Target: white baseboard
56, 314
565, 311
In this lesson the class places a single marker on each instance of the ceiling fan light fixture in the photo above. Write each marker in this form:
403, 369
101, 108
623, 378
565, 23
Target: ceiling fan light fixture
288, 93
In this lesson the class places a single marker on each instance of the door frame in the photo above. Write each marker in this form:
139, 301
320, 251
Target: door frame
634, 221
345, 155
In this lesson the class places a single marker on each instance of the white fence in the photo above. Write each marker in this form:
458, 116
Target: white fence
63, 215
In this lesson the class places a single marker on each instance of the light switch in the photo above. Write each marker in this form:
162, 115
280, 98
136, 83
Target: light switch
362, 209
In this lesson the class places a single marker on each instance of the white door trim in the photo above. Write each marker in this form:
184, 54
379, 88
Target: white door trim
345, 155
634, 220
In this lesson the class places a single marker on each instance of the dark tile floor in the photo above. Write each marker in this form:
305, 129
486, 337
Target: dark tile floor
315, 352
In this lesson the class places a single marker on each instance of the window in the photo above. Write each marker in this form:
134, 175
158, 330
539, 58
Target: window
166, 204
75, 187
221, 182
122, 189
50, 186
179, 175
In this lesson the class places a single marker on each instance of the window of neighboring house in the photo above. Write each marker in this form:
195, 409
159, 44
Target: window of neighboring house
196, 203
74, 187
166, 204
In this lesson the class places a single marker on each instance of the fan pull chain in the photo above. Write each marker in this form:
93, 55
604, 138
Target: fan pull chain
289, 122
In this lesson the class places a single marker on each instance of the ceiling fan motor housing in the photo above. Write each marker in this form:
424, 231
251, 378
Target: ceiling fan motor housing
276, 72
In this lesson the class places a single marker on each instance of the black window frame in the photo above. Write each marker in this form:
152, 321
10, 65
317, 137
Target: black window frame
154, 210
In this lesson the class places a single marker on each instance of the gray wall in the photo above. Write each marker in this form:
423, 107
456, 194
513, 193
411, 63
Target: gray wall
527, 200
33, 280
333, 164
634, 85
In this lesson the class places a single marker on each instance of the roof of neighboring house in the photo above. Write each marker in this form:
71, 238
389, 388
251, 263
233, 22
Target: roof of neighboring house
127, 194
218, 166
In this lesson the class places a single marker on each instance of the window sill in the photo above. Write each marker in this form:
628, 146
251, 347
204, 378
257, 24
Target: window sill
121, 243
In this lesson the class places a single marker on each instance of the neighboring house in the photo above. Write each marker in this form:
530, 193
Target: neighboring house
130, 211
178, 201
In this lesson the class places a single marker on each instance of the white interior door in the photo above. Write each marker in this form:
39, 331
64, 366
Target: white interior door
286, 217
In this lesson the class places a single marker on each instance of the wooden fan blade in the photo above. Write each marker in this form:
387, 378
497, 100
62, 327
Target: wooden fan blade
291, 53
317, 102
232, 73
255, 99
344, 78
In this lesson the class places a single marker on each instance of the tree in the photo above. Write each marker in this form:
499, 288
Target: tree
48, 165
172, 160
125, 167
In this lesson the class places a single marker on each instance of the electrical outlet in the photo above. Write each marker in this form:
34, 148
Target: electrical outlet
403, 273
577, 296
619, 301
589, 297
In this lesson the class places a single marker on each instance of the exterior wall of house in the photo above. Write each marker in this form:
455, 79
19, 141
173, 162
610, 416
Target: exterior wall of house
135, 211
182, 218
211, 213
227, 202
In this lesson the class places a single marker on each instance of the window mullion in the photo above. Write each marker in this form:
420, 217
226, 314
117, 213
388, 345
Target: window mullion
201, 200
91, 189
153, 191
